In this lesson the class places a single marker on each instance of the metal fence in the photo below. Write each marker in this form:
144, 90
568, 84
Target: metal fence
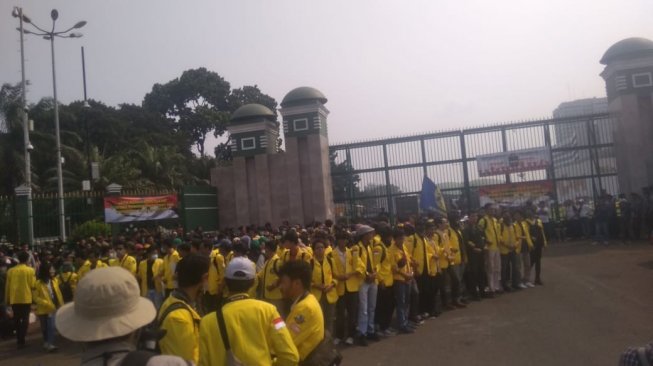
80, 207
378, 177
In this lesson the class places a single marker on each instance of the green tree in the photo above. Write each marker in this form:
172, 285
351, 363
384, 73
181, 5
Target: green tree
11, 139
344, 180
197, 103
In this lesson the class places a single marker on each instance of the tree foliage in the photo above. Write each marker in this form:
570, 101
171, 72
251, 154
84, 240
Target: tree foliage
344, 180
148, 146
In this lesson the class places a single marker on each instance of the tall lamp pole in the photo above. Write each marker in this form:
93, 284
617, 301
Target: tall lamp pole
18, 13
50, 36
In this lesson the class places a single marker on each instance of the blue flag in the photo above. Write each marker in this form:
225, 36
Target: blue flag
431, 199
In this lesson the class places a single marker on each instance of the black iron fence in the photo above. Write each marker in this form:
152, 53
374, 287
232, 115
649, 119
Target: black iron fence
385, 176
197, 207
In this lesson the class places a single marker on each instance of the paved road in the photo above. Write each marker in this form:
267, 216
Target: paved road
596, 301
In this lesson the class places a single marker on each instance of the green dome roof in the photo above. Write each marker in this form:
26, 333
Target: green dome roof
628, 48
303, 94
249, 111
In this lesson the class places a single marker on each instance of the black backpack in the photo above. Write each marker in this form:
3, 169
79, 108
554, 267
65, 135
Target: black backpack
66, 288
152, 334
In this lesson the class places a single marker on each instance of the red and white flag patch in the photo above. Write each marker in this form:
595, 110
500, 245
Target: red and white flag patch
278, 323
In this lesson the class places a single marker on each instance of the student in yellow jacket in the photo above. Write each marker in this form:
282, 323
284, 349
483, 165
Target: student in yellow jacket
90, 264
323, 284
402, 272
18, 294
48, 299
538, 237
293, 249
67, 281
348, 271
254, 328
425, 258
215, 284
268, 276
148, 276
385, 296
490, 227
124, 260
305, 321
170, 260
368, 292
508, 244
450, 246
524, 248
177, 315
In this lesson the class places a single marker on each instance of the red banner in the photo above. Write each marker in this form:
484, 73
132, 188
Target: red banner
516, 194
129, 209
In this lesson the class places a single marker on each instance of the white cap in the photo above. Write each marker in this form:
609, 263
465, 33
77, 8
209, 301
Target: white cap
240, 268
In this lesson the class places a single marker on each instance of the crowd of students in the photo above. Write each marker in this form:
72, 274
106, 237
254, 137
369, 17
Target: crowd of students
294, 287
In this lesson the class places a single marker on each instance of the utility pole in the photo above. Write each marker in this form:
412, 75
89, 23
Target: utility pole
18, 13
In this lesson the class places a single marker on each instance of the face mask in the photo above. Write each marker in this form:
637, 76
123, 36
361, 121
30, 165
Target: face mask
154, 256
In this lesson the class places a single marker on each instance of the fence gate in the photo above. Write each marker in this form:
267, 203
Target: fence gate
199, 207
383, 177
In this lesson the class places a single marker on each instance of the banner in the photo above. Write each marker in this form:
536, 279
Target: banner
513, 161
516, 194
129, 209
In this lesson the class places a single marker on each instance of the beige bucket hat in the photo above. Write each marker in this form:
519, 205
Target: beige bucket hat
107, 305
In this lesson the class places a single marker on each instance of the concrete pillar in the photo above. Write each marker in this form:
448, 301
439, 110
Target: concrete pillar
294, 188
263, 186
241, 191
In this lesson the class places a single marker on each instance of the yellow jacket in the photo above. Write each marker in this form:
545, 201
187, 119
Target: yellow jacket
490, 227
323, 275
20, 281
421, 253
169, 264
367, 257
157, 267
87, 267
443, 249
396, 255
540, 226
182, 331
256, 321
352, 265
268, 276
527, 231
508, 240
127, 262
303, 253
43, 299
384, 275
216, 273
523, 234
228, 258
454, 243
306, 324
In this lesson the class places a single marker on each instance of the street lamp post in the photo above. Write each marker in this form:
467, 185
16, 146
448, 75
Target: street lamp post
50, 36
18, 13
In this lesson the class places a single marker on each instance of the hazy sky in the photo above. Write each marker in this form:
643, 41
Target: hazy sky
387, 67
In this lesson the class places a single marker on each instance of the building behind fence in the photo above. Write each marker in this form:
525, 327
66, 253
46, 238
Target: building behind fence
385, 176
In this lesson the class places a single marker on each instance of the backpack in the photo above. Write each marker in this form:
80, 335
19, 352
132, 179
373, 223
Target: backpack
66, 288
153, 333
324, 354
